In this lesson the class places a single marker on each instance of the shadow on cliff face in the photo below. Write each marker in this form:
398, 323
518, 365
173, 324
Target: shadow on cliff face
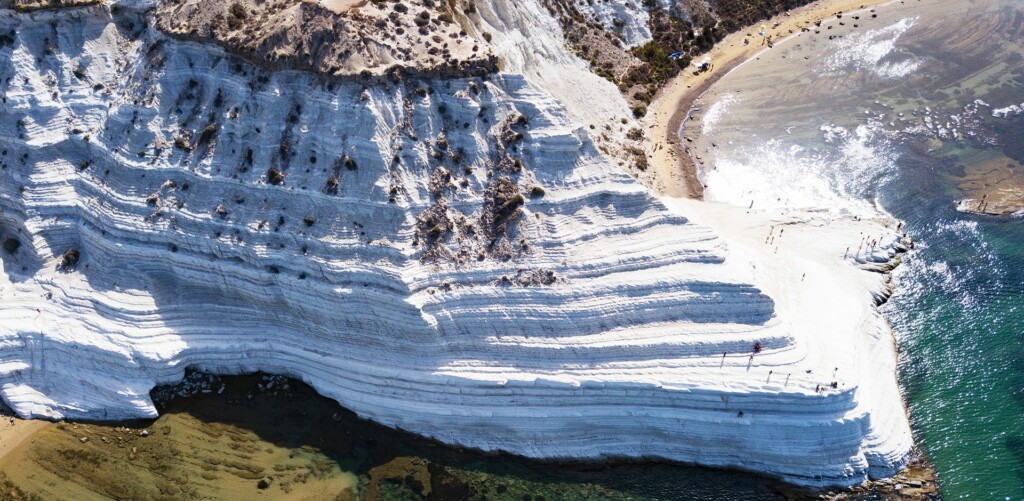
17, 256
240, 437
393, 464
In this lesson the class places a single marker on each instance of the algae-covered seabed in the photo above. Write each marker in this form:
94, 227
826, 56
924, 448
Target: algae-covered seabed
295, 444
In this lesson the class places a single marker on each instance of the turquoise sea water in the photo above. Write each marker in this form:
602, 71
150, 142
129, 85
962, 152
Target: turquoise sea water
909, 111
959, 316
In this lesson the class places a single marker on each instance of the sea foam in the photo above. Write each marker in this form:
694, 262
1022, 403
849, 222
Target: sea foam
716, 111
776, 174
875, 51
1009, 111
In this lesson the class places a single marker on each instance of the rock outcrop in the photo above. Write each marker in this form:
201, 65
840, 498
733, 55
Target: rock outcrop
367, 39
448, 256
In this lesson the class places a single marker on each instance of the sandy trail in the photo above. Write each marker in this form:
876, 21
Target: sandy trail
13, 435
675, 173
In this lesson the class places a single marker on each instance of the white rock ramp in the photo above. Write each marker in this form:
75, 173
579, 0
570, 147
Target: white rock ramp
582, 320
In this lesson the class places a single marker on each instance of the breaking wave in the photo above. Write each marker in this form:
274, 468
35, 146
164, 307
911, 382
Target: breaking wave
716, 111
841, 178
1009, 111
874, 50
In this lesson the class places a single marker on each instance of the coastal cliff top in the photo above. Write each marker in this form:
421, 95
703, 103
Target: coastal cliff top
333, 37
30, 5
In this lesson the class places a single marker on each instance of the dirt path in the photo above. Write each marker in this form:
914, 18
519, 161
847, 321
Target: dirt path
13, 435
674, 170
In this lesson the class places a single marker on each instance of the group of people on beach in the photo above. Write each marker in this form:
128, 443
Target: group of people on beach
817, 388
834, 385
770, 239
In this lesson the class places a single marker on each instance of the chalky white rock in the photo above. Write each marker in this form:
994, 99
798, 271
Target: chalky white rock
637, 340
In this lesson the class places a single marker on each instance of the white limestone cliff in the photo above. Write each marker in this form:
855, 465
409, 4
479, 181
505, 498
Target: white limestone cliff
526, 296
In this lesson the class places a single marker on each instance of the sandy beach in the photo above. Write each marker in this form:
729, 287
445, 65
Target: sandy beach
675, 173
810, 263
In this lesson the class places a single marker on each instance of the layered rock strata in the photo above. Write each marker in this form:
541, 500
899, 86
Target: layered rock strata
448, 256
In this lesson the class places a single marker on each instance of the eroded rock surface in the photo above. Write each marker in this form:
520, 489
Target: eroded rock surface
418, 36
453, 257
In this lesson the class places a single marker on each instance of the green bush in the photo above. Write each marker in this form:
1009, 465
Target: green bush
275, 176
70, 258
11, 245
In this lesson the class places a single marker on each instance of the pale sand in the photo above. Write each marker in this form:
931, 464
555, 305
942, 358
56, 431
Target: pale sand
341, 6
675, 173
13, 435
